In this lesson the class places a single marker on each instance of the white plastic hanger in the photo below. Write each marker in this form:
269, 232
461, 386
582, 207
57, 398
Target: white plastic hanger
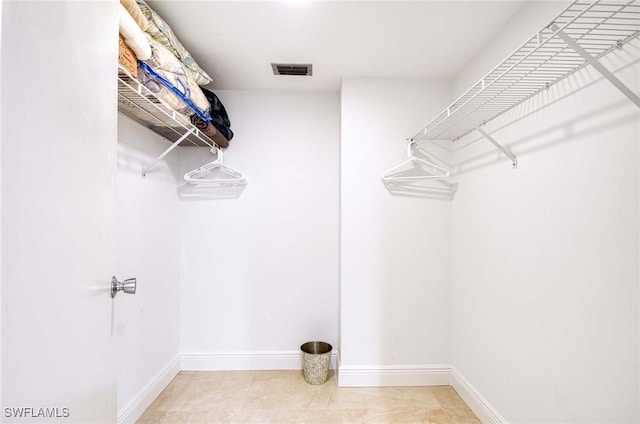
394, 174
203, 175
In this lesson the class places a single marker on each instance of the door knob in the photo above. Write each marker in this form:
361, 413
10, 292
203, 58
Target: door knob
128, 286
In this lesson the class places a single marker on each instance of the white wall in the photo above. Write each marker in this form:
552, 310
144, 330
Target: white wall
259, 273
545, 257
1, 7
529, 18
148, 247
394, 249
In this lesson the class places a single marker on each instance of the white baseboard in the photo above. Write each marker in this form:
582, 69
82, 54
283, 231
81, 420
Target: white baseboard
136, 407
260, 360
420, 375
348, 376
478, 404
394, 375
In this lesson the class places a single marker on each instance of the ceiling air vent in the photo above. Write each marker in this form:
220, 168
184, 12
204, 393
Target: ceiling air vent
292, 69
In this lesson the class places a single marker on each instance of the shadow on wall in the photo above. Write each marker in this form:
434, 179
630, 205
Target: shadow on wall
556, 134
564, 132
191, 192
136, 153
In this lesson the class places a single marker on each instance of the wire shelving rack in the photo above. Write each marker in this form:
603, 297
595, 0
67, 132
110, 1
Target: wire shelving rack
580, 35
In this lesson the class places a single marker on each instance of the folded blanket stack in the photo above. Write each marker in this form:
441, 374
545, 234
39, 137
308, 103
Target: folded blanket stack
162, 32
168, 70
167, 66
219, 117
136, 13
133, 35
127, 58
210, 131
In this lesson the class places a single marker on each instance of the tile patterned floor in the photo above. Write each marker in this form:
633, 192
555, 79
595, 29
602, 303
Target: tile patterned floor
283, 397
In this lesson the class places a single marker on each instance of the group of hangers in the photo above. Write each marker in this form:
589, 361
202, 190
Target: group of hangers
215, 173
421, 169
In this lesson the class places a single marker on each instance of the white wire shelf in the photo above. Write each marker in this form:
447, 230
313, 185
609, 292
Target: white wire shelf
138, 103
597, 27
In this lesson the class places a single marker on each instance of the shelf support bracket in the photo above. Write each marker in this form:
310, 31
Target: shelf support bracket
597, 65
514, 160
166, 152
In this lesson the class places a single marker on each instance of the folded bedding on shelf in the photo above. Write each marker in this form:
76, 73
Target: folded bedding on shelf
217, 107
163, 33
210, 131
127, 58
133, 35
135, 12
170, 73
171, 69
176, 96
219, 116
219, 124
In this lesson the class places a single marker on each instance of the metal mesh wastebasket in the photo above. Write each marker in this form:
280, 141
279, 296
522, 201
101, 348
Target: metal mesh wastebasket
316, 357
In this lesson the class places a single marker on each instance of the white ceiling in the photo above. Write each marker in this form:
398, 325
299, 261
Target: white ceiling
236, 41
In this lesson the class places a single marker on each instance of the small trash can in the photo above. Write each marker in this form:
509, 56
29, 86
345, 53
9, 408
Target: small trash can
316, 357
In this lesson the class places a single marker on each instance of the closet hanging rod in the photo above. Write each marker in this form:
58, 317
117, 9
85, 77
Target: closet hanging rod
597, 27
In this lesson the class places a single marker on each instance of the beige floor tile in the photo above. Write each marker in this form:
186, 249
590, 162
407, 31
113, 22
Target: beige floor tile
438, 416
213, 394
215, 375
447, 397
291, 416
183, 417
210, 417
151, 417
324, 392
383, 398
465, 420
386, 416
338, 416
166, 400
192, 393
286, 390
461, 415
284, 397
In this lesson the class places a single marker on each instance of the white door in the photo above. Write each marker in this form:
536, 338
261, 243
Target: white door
59, 135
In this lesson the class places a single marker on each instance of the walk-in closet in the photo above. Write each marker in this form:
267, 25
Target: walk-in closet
445, 192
